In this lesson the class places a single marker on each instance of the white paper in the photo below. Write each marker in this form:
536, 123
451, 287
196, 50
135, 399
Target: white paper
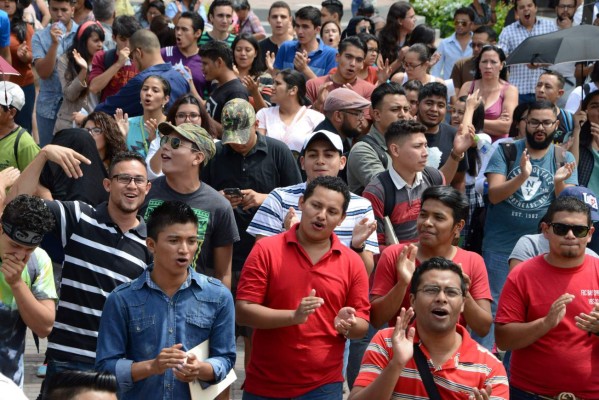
201, 351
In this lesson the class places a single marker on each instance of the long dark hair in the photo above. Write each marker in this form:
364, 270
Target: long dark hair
500, 53
80, 44
296, 79
18, 26
190, 99
258, 66
389, 35
115, 142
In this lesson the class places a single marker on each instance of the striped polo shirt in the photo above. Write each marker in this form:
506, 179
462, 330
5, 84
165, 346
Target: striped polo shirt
98, 258
269, 218
472, 366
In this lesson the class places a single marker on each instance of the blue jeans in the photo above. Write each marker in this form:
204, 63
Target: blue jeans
55, 367
330, 391
357, 348
45, 129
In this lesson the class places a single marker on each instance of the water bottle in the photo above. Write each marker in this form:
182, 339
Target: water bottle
482, 145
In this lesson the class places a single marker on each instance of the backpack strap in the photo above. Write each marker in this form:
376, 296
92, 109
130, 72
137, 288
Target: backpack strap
109, 58
434, 175
509, 151
559, 154
380, 152
20, 132
389, 190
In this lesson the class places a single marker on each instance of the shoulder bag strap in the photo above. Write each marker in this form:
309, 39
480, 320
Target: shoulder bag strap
425, 374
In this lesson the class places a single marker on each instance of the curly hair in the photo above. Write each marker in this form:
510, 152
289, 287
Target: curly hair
115, 142
30, 213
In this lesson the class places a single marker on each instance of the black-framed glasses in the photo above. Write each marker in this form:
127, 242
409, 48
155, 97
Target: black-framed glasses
560, 229
94, 131
566, 6
535, 123
411, 66
126, 179
175, 143
355, 113
184, 116
433, 291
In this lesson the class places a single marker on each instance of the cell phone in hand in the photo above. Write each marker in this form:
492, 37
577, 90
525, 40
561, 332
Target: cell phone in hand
233, 192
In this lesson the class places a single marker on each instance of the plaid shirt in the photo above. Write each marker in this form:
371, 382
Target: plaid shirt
512, 35
251, 25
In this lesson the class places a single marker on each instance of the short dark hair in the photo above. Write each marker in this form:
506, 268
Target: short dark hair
568, 204
352, 41
216, 49
542, 105
451, 198
333, 7
488, 30
219, 3
103, 9
332, 183
29, 213
309, 13
167, 214
561, 81
465, 11
296, 79
413, 85
125, 156
196, 21
440, 264
588, 98
66, 385
432, 89
384, 89
398, 130
516, 3
125, 26
279, 4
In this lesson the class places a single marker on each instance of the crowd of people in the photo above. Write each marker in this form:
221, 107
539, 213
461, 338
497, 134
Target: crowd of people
368, 206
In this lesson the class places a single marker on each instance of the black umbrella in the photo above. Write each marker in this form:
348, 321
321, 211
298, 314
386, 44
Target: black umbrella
579, 43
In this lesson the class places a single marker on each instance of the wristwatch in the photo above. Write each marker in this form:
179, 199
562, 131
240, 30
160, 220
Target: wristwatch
357, 249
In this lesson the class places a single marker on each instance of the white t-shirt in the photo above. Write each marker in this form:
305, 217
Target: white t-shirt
573, 103
292, 135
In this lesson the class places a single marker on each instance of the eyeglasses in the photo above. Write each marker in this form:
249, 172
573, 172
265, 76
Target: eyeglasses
175, 143
477, 45
184, 116
433, 291
579, 231
535, 123
410, 66
126, 179
566, 6
460, 22
359, 114
94, 131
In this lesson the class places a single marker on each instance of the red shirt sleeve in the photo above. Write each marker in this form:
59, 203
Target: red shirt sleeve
474, 266
512, 304
254, 277
358, 290
97, 65
385, 275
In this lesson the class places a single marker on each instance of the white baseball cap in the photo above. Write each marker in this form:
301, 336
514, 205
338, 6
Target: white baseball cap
11, 95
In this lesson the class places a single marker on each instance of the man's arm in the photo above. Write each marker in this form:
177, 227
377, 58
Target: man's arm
478, 315
500, 188
363, 164
223, 261
562, 175
45, 65
38, 315
100, 78
126, 99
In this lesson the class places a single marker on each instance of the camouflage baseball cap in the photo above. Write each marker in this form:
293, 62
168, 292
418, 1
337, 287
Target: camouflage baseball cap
238, 118
195, 134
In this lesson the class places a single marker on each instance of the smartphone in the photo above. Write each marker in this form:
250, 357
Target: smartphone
233, 192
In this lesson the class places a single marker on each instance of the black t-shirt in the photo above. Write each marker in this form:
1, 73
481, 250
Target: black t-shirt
443, 140
267, 45
220, 95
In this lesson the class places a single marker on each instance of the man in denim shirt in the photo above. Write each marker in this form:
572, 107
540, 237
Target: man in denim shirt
47, 45
150, 323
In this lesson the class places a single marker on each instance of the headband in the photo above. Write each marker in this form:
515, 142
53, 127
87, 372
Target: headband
22, 236
86, 25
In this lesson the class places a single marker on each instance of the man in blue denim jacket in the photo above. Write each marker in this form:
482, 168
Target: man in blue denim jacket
149, 324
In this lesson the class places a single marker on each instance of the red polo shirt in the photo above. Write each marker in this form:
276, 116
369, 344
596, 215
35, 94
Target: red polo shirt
278, 273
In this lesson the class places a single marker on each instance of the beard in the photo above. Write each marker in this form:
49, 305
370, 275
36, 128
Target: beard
530, 139
348, 130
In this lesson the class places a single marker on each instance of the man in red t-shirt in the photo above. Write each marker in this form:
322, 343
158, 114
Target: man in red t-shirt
304, 293
548, 312
458, 366
441, 218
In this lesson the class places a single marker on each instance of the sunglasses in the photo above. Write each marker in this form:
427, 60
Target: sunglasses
175, 143
579, 231
461, 23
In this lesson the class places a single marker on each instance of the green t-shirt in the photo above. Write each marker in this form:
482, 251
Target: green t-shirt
26, 152
594, 179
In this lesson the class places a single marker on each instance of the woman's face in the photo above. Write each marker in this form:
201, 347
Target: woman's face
10, 6
245, 54
331, 35
409, 22
152, 12
280, 90
372, 53
152, 95
490, 65
363, 26
413, 66
188, 113
94, 44
522, 125
97, 134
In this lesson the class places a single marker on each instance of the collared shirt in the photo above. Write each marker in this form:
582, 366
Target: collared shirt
451, 51
50, 95
463, 71
250, 25
322, 60
98, 258
268, 165
363, 162
399, 182
269, 218
140, 320
511, 36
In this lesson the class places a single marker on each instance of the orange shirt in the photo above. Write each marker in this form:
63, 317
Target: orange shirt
26, 77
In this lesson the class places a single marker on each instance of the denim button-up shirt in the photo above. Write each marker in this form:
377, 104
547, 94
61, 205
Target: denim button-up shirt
50, 95
139, 320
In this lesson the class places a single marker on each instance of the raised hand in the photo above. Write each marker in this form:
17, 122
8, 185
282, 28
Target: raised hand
525, 164
345, 319
557, 311
122, 121
250, 83
362, 230
564, 172
307, 306
67, 158
12, 268
405, 265
384, 71
79, 60
402, 340
589, 322
269, 58
123, 56
290, 219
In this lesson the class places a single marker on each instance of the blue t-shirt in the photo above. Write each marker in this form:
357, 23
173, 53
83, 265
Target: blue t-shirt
520, 213
322, 60
137, 137
4, 29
